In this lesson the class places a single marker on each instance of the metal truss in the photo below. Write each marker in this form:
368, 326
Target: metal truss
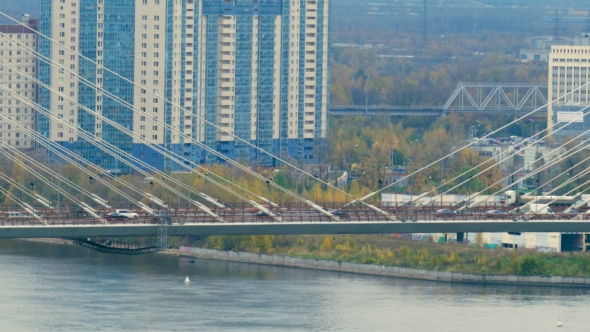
127, 250
496, 97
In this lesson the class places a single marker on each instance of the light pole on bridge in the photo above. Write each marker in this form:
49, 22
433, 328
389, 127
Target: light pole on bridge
408, 171
58, 186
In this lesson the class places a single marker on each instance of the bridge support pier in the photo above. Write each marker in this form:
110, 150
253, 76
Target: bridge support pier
460, 237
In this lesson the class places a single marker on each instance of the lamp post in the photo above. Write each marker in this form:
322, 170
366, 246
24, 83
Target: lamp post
410, 147
390, 156
151, 200
411, 181
314, 189
58, 187
178, 190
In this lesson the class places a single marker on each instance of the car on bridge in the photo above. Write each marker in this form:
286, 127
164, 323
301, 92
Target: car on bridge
494, 214
115, 215
444, 212
255, 209
570, 211
126, 213
264, 214
340, 213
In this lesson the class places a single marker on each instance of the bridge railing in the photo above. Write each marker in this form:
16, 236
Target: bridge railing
364, 216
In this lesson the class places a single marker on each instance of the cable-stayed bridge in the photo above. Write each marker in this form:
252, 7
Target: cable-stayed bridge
90, 215
240, 220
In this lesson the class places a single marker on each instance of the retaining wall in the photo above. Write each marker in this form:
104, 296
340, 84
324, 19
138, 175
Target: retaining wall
388, 271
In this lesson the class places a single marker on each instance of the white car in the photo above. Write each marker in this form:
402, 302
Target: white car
127, 213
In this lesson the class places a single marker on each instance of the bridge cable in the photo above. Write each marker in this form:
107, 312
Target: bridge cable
569, 153
52, 185
54, 150
462, 148
536, 171
63, 152
85, 135
23, 189
311, 204
112, 148
258, 206
493, 163
208, 198
565, 183
26, 207
91, 140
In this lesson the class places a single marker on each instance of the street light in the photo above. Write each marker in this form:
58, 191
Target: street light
58, 187
152, 200
412, 181
390, 156
410, 146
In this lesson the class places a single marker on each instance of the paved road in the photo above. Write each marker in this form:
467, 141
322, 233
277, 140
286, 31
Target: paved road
193, 216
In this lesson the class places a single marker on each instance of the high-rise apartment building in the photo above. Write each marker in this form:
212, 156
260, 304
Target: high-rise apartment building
258, 69
10, 105
569, 94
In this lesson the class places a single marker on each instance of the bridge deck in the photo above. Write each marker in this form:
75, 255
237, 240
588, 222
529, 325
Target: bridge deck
294, 228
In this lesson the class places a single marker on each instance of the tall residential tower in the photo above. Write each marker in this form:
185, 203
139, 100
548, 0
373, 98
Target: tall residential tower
258, 69
12, 55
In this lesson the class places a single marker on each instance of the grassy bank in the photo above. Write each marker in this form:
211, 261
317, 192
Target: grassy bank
391, 251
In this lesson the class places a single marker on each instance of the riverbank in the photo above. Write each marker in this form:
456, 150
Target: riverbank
393, 257
396, 251
386, 271
48, 240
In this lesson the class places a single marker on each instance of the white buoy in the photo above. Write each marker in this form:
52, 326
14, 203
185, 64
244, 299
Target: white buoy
187, 280
559, 324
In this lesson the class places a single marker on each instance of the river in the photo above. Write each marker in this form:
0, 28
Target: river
49, 287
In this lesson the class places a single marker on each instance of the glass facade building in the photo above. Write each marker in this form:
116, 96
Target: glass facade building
257, 69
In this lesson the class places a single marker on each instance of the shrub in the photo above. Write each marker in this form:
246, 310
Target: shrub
531, 265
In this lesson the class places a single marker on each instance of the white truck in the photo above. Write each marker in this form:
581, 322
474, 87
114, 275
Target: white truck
513, 197
539, 209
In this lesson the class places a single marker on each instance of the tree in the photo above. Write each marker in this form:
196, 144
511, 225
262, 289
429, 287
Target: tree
327, 244
479, 239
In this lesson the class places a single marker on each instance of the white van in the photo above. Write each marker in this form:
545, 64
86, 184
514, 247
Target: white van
15, 215
539, 209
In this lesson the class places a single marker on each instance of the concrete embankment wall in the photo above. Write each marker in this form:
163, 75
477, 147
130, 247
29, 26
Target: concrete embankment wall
387, 271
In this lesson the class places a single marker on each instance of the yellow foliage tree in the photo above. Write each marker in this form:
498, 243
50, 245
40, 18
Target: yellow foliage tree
327, 244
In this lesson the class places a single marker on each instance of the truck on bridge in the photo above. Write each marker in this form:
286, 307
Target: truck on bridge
509, 198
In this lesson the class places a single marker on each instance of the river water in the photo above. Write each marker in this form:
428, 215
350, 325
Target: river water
48, 287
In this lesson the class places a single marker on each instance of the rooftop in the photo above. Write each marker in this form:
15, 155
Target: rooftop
14, 28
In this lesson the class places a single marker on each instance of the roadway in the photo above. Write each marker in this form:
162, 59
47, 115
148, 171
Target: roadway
294, 220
